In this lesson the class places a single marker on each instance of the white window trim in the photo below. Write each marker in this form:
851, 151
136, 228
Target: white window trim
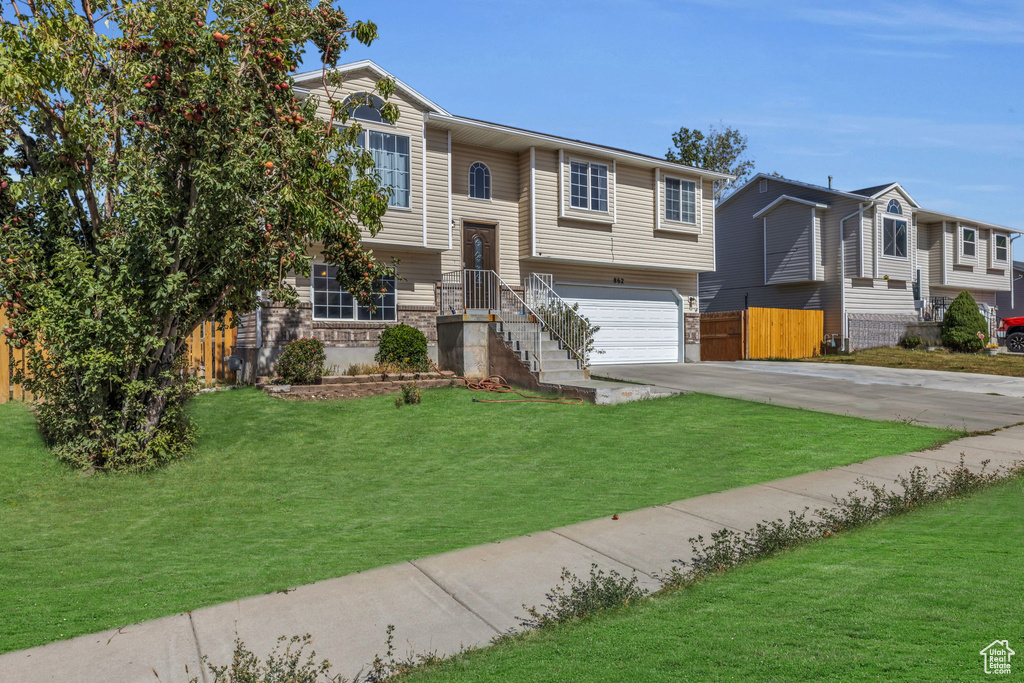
896, 217
565, 188
393, 130
490, 182
355, 304
993, 236
964, 258
663, 203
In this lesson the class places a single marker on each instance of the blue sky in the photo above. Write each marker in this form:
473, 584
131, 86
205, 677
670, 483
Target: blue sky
927, 93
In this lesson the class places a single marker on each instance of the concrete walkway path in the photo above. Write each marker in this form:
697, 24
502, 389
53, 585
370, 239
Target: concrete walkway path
942, 399
462, 598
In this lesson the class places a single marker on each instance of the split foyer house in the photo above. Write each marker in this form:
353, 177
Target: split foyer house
872, 260
490, 207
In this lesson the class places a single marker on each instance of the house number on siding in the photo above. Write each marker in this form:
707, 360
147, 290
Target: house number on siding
618, 280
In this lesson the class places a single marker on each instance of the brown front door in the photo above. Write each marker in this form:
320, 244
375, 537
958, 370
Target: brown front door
479, 253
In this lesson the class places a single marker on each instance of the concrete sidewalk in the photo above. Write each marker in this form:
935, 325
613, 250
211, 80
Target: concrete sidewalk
872, 393
463, 598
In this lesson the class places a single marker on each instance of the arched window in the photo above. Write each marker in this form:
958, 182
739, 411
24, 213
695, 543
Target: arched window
479, 181
367, 106
894, 207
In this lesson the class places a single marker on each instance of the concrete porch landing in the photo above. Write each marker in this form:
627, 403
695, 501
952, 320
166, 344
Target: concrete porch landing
462, 598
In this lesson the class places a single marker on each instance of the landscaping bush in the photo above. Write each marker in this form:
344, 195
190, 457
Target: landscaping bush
302, 362
962, 323
402, 345
910, 342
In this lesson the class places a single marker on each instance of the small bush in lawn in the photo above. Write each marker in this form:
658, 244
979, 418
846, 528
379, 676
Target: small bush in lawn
411, 394
962, 323
402, 345
910, 342
289, 666
302, 362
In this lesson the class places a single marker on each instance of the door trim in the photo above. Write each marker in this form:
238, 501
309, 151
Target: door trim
497, 240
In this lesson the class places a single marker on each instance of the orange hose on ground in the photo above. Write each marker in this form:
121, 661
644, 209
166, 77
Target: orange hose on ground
496, 384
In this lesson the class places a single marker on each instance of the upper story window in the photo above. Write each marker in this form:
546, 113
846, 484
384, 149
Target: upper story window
1002, 250
391, 158
588, 186
894, 231
680, 200
331, 302
968, 242
367, 107
479, 181
762, 187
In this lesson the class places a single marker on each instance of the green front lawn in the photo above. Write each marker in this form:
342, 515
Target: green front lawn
915, 598
920, 359
284, 493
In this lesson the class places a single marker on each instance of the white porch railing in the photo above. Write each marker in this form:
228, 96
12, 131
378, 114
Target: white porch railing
565, 324
482, 291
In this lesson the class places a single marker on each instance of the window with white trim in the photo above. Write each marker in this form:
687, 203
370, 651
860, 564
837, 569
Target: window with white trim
680, 200
331, 302
1002, 250
894, 207
588, 186
391, 158
968, 242
894, 237
479, 181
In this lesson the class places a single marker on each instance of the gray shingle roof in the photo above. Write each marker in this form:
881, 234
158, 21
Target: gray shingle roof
871, 191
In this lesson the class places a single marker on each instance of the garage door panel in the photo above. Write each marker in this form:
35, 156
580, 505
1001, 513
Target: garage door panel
637, 325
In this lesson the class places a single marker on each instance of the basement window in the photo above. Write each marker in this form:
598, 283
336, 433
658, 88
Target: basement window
331, 302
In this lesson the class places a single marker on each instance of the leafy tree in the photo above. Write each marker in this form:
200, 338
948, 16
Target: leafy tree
159, 170
717, 150
962, 323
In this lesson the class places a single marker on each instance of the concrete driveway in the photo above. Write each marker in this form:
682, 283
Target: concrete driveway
939, 399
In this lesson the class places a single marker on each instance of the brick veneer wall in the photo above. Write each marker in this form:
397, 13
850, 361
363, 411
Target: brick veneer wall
691, 328
282, 324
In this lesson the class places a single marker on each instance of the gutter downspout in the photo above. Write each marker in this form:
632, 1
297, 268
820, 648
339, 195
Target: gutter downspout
842, 268
1013, 280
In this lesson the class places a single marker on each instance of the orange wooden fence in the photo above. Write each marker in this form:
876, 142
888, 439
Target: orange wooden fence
784, 333
207, 349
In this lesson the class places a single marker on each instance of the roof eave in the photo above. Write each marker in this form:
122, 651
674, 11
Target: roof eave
579, 145
374, 67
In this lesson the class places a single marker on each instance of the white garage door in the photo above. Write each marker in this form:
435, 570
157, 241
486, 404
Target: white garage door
637, 325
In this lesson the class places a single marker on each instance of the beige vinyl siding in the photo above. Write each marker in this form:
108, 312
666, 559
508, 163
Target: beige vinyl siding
852, 232
525, 238
981, 296
246, 338
977, 276
502, 208
437, 189
632, 240
869, 295
684, 283
896, 268
401, 226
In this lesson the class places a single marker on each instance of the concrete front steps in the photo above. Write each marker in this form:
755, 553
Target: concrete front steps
560, 373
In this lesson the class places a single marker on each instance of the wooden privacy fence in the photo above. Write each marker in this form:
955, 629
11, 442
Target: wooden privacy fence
205, 357
761, 333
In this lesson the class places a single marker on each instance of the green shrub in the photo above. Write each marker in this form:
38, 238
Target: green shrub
910, 342
962, 323
302, 361
402, 345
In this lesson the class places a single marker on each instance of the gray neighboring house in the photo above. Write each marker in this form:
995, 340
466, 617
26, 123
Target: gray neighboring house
873, 260
1011, 304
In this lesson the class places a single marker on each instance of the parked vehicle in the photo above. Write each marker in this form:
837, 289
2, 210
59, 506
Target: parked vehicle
1013, 328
